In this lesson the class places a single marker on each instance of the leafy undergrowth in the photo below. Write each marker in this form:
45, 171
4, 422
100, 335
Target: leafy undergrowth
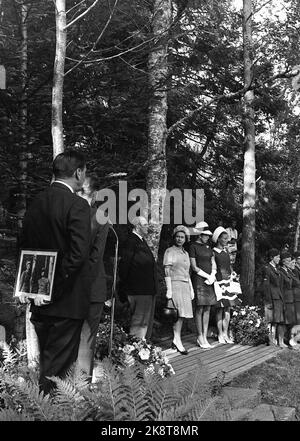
278, 379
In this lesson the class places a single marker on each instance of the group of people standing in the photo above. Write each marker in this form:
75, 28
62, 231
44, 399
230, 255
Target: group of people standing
281, 294
58, 219
197, 271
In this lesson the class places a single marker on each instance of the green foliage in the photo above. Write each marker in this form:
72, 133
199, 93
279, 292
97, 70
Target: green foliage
248, 327
119, 395
278, 379
127, 350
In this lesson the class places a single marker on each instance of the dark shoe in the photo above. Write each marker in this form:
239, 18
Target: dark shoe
185, 352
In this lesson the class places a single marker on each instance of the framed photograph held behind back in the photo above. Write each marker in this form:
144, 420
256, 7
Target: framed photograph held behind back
35, 273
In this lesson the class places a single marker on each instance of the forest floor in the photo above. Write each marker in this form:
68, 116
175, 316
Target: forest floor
278, 379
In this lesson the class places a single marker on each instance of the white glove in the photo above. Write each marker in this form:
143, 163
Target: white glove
203, 274
191, 289
169, 287
211, 278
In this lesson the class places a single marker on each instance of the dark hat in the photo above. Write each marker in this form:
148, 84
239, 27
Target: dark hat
285, 255
273, 252
296, 254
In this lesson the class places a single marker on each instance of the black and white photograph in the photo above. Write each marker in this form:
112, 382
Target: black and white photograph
155, 146
36, 273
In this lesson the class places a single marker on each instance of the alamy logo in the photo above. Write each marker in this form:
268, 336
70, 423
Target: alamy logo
186, 206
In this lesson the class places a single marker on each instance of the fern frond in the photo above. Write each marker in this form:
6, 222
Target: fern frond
164, 396
13, 415
9, 357
196, 384
34, 401
135, 387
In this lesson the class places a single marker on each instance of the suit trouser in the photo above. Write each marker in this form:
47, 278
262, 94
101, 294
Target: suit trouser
88, 338
142, 309
59, 339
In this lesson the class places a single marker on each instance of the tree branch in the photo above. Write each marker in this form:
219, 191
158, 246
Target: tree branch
289, 73
81, 15
97, 41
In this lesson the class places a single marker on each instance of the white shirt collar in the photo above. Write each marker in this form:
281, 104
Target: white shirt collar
137, 234
218, 250
67, 185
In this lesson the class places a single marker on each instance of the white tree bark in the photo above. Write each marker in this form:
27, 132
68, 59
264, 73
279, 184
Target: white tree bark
157, 129
58, 77
248, 240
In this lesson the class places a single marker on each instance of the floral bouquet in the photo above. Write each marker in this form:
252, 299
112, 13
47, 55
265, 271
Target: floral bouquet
147, 354
248, 326
127, 350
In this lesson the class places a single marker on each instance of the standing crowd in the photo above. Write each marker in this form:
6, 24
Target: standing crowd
63, 218
281, 295
204, 274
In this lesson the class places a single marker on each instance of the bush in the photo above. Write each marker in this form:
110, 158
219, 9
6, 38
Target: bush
248, 326
127, 350
128, 394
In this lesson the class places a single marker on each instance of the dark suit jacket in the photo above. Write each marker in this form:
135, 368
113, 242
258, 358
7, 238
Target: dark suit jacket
98, 275
272, 284
60, 220
137, 268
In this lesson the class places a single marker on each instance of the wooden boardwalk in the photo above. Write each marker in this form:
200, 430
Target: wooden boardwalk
232, 359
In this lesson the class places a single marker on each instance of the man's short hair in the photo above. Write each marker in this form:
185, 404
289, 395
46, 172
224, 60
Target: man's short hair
93, 179
66, 163
137, 221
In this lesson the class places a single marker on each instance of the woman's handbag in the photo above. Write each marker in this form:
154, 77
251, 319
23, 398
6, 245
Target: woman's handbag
170, 312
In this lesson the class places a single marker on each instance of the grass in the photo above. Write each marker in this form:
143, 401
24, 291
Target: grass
278, 379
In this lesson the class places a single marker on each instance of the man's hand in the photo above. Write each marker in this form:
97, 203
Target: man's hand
40, 301
23, 298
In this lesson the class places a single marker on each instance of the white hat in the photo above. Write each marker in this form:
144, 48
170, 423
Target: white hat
206, 231
201, 225
218, 231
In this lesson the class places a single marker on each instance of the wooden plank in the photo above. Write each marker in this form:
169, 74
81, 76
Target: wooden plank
246, 355
233, 364
235, 372
213, 355
217, 349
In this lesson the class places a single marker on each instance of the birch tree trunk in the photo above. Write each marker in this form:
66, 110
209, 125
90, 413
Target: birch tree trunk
248, 237
156, 180
58, 77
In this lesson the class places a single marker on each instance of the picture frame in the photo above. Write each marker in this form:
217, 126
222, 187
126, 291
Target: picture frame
35, 274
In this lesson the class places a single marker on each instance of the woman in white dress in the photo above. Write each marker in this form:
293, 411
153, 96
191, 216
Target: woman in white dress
179, 287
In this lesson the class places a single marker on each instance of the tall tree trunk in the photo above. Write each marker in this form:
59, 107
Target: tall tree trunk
156, 180
22, 184
248, 240
58, 77
297, 233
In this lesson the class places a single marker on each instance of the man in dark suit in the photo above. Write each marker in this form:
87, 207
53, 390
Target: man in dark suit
60, 220
99, 226
138, 279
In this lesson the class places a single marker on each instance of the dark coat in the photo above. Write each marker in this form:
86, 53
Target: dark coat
271, 284
60, 220
98, 275
288, 296
137, 268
